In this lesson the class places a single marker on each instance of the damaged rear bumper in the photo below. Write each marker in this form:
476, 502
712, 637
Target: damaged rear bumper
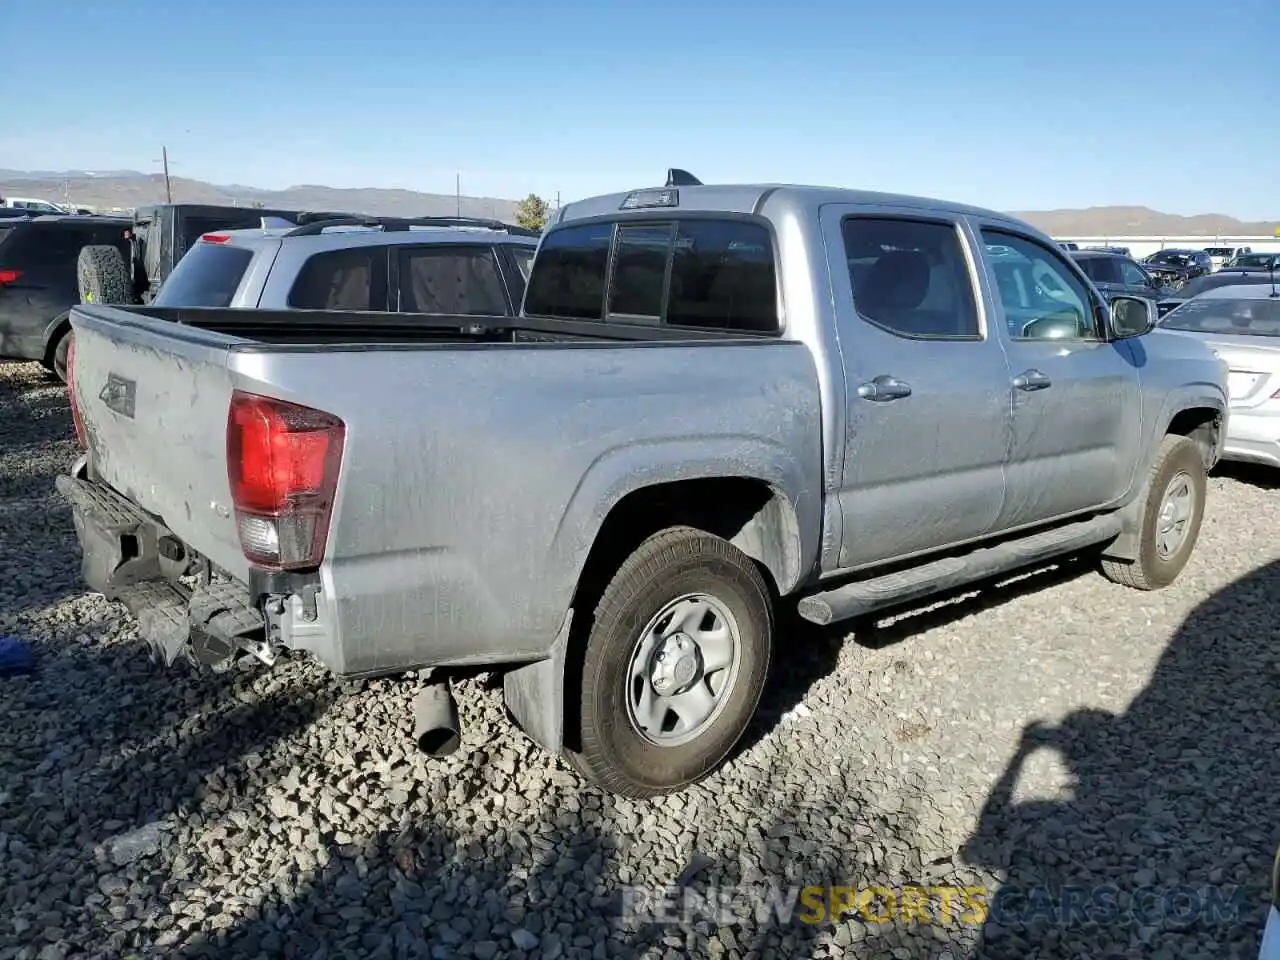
131, 557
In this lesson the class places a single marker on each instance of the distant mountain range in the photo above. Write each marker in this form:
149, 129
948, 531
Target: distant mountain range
131, 188
109, 189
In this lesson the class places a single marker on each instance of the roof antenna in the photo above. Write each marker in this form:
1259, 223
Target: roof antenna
681, 178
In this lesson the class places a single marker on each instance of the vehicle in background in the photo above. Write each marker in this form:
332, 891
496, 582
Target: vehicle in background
1114, 274
425, 265
38, 284
1212, 281
1249, 262
36, 207
605, 494
1174, 267
1118, 251
1068, 245
159, 236
1242, 323
1221, 256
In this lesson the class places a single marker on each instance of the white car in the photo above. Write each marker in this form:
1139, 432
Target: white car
1221, 256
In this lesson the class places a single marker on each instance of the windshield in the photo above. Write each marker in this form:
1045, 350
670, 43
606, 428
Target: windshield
1254, 317
1219, 251
1166, 256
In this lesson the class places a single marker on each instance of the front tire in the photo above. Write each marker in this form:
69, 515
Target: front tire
1172, 511
674, 665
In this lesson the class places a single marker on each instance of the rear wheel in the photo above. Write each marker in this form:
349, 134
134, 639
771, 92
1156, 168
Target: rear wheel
1172, 510
61, 347
674, 665
102, 275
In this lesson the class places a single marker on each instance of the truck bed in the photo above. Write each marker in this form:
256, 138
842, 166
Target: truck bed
294, 328
480, 454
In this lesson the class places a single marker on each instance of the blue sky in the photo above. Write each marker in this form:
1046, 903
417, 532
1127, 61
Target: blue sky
1014, 105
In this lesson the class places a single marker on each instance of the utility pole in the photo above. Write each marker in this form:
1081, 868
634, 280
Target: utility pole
458, 192
168, 188
557, 201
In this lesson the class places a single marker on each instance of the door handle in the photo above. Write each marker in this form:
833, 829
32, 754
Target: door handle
884, 388
1032, 380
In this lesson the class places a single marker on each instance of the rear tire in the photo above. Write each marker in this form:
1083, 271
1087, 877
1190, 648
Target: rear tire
102, 275
58, 355
674, 665
1172, 511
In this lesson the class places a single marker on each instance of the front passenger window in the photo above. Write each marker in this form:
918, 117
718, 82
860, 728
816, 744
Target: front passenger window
1041, 296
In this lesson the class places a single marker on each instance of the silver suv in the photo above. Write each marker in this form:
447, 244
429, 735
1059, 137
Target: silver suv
424, 265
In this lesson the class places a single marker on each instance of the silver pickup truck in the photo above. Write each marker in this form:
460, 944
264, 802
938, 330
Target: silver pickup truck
715, 400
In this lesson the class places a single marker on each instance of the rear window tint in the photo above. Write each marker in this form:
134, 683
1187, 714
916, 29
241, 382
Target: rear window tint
722, 277
451, 279
1100, 269
341, 280
568, 276
207, 276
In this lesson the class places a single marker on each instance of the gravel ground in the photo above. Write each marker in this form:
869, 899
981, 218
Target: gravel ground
146, 812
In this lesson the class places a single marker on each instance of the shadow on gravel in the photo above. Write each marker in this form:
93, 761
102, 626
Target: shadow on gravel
1168, 841
1254, 474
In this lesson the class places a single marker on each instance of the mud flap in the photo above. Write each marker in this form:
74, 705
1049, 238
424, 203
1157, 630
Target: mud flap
534, 693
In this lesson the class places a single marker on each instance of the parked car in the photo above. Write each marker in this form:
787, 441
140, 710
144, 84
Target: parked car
38, 281
1116, 274
1173, 268
1068, 245
1212, 281
425, 265
1221, 256
1254, 261
606, 495
1242, 323
1118, 251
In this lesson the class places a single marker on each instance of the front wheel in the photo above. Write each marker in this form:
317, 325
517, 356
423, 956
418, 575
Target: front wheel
61, 350
1172, 510
674, 665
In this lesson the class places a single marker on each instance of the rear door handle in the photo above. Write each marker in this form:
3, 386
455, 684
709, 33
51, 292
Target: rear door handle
884, 388
1030, 380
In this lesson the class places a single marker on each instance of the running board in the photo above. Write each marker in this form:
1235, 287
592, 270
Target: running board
865, 596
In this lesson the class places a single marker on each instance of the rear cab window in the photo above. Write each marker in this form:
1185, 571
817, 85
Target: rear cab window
1100, 269
694, 272
208, 275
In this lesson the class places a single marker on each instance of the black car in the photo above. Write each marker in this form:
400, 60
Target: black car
1253, 263
1114, 275
1174, 267
38, 283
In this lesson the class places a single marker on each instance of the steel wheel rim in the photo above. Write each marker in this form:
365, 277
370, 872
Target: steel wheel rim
1177, 507
683, 667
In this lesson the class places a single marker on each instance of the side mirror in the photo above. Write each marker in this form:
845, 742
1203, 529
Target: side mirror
1132, 317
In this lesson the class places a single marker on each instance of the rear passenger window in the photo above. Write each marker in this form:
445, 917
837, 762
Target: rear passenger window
208, 275
1100, 269
341, 280
910, 278
722, 277
569, 272
640, 270
451, 279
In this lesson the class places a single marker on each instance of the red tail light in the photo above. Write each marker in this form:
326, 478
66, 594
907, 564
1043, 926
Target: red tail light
282, 461
215, 238
71, 391
9, 276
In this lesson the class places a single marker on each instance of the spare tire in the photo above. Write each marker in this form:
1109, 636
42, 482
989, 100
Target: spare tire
101, 275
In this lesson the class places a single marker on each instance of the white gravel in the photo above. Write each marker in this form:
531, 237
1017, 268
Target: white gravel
146, 812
